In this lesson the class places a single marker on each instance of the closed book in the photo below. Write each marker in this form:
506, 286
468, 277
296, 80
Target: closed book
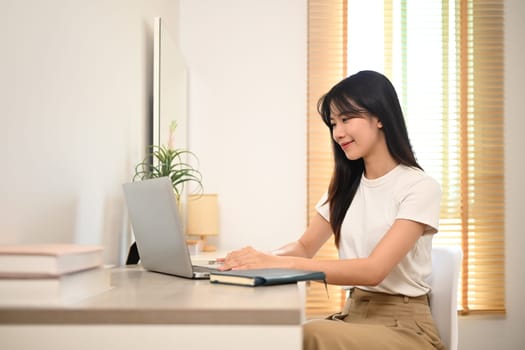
265, 277
63, 289
47, 260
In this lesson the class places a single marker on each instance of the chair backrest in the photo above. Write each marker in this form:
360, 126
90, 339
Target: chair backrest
446, 264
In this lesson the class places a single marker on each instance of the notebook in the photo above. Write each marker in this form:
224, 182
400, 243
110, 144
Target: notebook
157, 226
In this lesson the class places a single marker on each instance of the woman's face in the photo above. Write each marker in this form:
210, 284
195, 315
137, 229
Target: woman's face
359, 135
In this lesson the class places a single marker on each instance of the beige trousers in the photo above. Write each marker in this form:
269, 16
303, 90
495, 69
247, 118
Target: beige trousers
375, 321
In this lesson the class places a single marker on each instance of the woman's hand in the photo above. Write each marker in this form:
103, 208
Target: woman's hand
307, 246
249, 258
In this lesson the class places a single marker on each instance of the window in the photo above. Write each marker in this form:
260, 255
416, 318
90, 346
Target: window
445, 58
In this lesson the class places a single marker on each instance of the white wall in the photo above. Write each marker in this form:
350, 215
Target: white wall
247, 75
76, 94
247, 111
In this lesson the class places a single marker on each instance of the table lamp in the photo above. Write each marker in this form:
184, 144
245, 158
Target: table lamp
203, 218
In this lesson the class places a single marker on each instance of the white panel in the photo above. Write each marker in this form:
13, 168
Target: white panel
247, 77
115, 337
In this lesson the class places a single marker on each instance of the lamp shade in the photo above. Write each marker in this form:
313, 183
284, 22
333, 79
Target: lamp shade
203, 215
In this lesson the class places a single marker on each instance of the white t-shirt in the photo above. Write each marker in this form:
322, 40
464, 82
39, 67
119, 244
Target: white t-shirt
402, 193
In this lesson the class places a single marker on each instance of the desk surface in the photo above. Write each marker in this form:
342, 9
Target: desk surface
142, 297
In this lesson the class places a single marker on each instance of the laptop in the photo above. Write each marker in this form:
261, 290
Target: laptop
157, 226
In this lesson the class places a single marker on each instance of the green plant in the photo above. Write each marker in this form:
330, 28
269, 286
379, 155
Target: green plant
173, 163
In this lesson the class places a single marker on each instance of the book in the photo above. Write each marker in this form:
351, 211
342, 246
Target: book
62, 289
47, 260
265, 277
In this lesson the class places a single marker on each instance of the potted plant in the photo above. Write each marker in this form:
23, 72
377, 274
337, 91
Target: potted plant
171, 162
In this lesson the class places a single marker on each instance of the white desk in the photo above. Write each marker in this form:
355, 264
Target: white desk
148, 310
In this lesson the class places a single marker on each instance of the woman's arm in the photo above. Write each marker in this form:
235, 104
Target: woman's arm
306, 246
310, 242
371, 270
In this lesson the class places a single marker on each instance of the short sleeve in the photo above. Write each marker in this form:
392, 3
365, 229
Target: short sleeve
323, 208
421, 202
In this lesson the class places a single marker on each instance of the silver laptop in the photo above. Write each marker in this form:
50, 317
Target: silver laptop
157, 227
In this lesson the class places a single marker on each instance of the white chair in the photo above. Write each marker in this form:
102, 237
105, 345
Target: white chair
446, 263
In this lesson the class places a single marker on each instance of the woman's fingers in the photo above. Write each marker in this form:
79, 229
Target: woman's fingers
240, 258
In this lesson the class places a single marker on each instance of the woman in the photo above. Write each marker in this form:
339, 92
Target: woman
383, 211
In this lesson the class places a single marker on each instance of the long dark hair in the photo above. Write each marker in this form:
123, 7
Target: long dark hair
364, 92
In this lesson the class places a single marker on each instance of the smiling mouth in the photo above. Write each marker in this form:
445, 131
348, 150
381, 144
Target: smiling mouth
345, 145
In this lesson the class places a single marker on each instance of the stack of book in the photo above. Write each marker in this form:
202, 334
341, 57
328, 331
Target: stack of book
45, 274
